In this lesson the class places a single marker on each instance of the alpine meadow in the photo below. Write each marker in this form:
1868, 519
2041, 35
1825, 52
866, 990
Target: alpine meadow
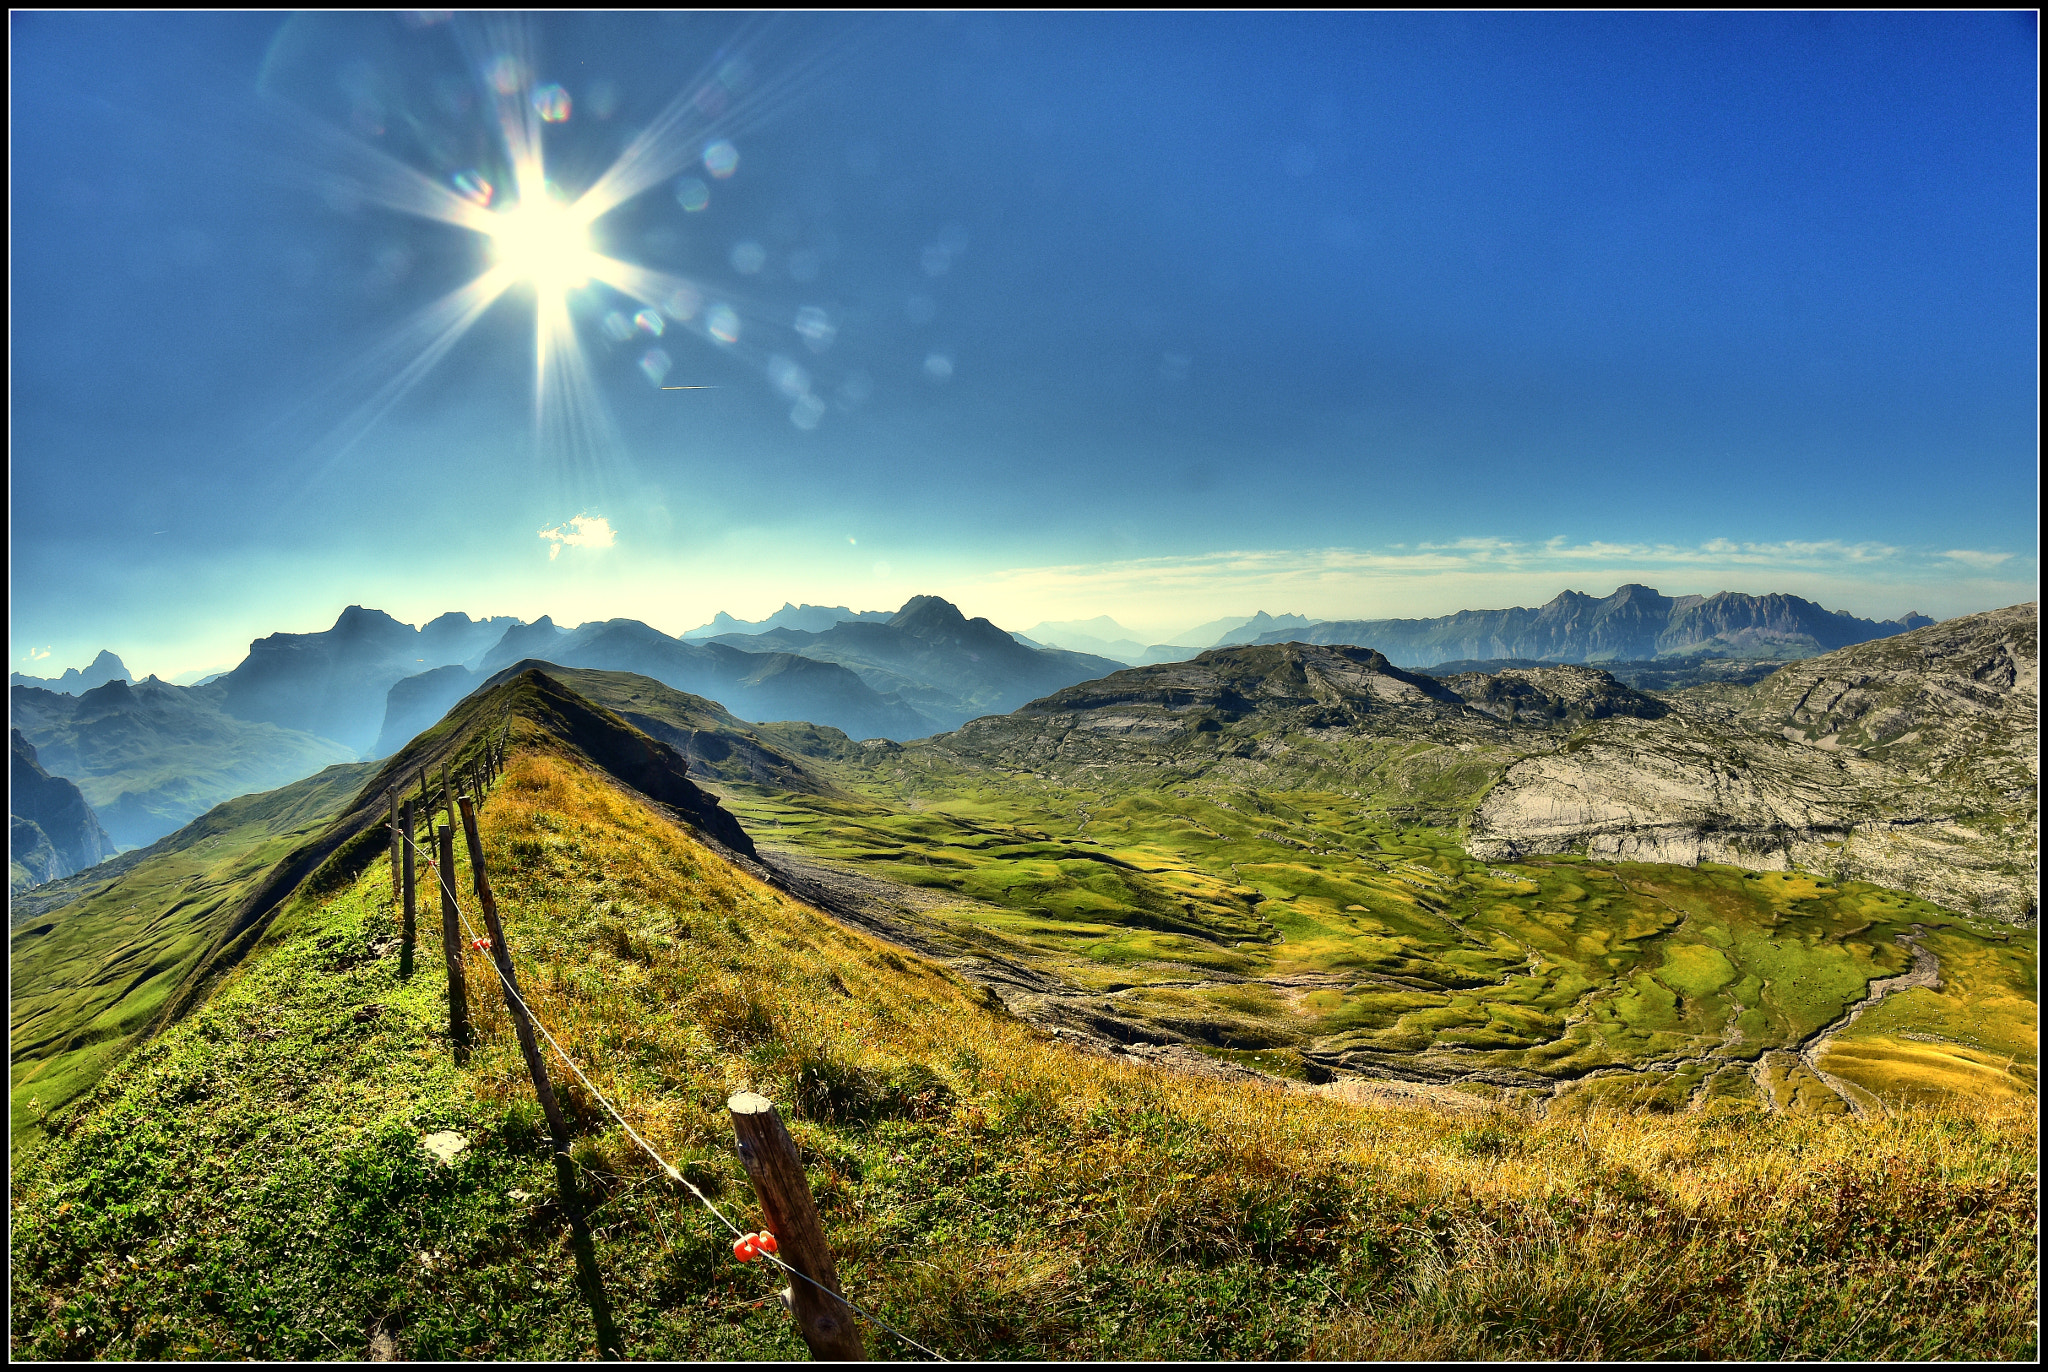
1403, 723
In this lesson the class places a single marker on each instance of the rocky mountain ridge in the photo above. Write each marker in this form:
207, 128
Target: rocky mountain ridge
1636, 622
1910, 762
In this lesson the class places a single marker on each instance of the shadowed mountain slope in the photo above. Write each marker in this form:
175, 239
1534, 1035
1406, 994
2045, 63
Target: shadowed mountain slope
334, 683
51, 831
1635, 622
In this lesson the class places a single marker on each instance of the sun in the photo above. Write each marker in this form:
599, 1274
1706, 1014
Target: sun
545, 242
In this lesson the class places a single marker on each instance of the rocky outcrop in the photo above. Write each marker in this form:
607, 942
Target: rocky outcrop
1909, 762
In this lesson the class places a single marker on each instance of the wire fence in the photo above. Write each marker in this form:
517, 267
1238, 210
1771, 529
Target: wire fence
447, 887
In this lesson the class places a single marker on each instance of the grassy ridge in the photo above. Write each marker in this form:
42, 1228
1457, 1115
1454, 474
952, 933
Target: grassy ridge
252, 1183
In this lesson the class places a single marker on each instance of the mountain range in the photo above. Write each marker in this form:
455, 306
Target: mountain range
1636, 622
946, 666
150, 756
103, 669
757, 684
809, 618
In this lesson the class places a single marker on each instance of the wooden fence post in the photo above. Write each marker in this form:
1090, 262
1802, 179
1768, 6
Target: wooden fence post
448, 798
451, 945
609, 1345
410, 883
769, 1155
392, 797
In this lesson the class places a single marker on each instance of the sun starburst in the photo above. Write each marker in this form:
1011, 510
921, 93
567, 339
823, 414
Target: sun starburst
538, 237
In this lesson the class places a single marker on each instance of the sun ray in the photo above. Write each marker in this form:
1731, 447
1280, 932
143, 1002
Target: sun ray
414, 348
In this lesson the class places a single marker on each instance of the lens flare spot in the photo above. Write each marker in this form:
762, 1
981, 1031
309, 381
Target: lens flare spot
471, 186
789, 378
692, 194
748, 257
505, 74
682, 304
807, 411
721, 159
816, 328
655, 363
857, 389
617, 327
722, 322
938, 367
650, 321
551, 103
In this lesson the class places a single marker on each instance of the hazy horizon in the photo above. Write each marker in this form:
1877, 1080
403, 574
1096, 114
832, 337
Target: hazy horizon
1159, 317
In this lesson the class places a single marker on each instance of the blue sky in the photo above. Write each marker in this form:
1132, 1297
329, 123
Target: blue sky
1164, 317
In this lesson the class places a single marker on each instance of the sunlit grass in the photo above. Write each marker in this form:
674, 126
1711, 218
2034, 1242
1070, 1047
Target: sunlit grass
991, 1191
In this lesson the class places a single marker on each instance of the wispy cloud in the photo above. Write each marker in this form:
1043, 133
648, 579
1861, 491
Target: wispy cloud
584, 531
1973, 557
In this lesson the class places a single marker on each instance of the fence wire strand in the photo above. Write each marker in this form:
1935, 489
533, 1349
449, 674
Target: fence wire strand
674, 1173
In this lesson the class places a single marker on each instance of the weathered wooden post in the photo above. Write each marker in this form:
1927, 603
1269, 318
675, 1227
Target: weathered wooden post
451, 944
411, 889
448, 798
769, 1155
392, 797
609, 1345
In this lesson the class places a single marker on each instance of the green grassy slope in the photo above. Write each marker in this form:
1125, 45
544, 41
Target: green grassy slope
1307, 931
91, 959
253, 1183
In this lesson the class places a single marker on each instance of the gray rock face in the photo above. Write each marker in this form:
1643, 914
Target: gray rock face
1909, 762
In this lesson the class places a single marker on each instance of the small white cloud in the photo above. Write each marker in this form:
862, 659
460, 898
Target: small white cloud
38, 654
1971, 557
584, 531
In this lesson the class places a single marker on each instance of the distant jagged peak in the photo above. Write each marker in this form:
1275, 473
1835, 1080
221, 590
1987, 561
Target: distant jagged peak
1259, 625
104, 668
804, 618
